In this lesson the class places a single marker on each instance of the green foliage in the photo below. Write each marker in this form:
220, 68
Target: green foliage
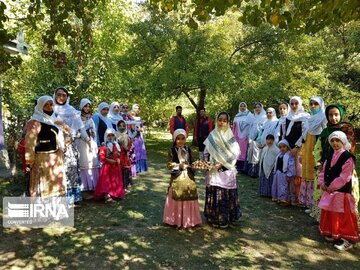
298, 15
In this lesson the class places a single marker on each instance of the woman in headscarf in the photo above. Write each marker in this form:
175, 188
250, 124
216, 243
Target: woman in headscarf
270, 126
253, 153
336, 121
241, 129
294, 130
88, 159
139, 143
114, 114
317, 122
222, 206
75, 128
102, 122
44, 152
284, 109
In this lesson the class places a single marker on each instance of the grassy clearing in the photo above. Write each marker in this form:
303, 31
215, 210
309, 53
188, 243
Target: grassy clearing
129, 234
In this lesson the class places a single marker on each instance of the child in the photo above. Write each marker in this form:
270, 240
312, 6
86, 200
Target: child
125, 144
182, 212
110, 184
222, 204
338, 212
267, 163
283, 187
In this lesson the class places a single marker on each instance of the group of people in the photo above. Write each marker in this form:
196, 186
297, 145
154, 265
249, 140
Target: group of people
301, 159
73, 153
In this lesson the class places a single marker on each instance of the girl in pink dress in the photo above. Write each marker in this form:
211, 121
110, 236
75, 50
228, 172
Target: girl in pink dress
110, 185
338, 221
180, 213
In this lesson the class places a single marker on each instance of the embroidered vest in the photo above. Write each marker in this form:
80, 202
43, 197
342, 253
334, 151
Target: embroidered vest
333, 172
46, 139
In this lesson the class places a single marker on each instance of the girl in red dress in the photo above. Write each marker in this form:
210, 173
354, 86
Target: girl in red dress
338, 221
110, 185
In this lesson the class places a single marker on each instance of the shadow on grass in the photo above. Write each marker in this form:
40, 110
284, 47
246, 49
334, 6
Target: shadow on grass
129, 234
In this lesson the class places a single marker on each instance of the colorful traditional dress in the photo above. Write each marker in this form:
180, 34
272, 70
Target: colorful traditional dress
294, 130
125, 144
222, 206
110, 180
180, 213
283, 190
338, 209
253, 153
316, 123
71, 117
241, 128
139, 145
323, 150
44, 153
267, 163
88, 150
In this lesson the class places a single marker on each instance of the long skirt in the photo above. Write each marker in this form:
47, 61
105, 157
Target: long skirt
281, 190
265, 185
140, 154
47, 175
306, 193
110, 182
339, 225
72, 173
183, 214
222, 206
89, 178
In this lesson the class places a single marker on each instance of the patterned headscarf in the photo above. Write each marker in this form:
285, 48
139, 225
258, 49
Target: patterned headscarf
222, 146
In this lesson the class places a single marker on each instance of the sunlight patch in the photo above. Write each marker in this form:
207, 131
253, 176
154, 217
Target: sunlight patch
134, 214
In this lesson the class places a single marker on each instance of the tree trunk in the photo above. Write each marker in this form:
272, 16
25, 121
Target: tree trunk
201, 104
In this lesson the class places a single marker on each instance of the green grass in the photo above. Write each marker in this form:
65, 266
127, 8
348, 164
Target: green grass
129, 234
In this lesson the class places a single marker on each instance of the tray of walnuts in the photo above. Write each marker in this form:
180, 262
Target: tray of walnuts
201, 165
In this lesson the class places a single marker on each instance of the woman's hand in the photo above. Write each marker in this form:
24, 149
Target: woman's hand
183, 166
324, 188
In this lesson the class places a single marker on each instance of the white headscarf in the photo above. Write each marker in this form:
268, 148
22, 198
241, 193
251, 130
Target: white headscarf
342, 137
106, 119
113, 116
268, 159
39, 114
318, 121
269, 126
67, 113
42, 117
178, 132
258, 122
109, 145
84, 102
299, 115
182, 153
222, 146
243, 121
286, 155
